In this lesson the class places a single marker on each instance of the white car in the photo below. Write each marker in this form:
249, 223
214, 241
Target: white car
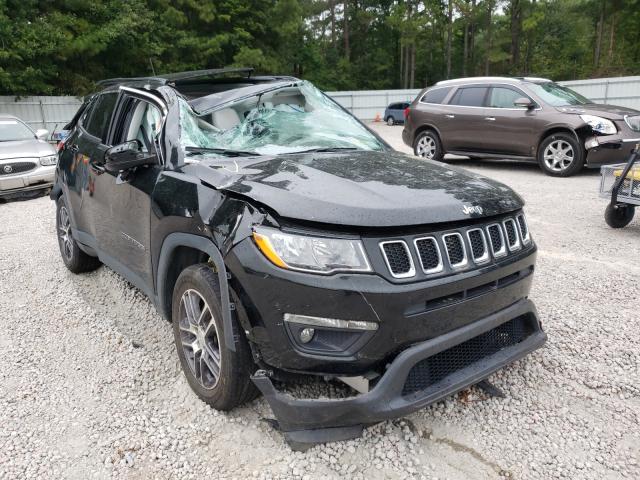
27, 161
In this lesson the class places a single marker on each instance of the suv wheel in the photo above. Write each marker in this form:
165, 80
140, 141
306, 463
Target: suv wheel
618, 216
219, 376
390, 121
427, 145
75, 259
560, 155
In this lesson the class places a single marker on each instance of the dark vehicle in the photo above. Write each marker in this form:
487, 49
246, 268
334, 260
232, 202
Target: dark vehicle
394, 113
284, 239
529, 119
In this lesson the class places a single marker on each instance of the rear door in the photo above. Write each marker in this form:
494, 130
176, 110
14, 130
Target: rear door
83, 149
463, 128
509, 129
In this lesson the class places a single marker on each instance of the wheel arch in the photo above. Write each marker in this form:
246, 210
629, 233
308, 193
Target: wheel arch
423, 128
580, 134
179, 251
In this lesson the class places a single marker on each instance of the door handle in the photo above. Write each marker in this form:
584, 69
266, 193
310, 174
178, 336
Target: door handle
491, 119
448, 115
97, 169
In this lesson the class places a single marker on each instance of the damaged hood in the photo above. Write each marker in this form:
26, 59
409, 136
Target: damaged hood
362, 188
611, 112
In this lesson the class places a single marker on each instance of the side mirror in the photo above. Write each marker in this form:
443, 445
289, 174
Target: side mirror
524, 102
127, 155
42, 133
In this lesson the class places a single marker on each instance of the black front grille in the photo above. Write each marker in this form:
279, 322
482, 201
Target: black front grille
16, 167
429, 254
512, 235
478, 248
397, 257
436, 368
455, 249
523, 226
496, 238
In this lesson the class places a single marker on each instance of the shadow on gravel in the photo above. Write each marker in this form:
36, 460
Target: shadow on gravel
511, 165
23, 196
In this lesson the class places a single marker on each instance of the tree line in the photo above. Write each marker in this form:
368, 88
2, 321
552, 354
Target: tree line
64, 46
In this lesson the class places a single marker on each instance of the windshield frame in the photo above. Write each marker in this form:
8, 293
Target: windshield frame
14, 120
538, 89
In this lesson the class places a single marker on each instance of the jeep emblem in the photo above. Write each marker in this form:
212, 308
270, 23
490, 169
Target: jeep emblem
8, 169
468, 209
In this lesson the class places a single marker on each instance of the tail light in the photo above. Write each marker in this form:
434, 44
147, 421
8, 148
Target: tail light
406, 113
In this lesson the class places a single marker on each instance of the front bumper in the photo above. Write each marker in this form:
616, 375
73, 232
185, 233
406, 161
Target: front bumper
36, 179
598, 155
306, 422
406, 313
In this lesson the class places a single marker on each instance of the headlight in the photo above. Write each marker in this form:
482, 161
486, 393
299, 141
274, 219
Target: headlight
311, 254
599, 124
48, 160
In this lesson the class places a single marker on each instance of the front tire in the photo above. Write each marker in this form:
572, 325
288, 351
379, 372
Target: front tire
560, 155
74, 259
390, 121
619, 216
428, 145
219, 376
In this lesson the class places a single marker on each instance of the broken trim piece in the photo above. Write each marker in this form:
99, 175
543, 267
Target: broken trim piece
306, 422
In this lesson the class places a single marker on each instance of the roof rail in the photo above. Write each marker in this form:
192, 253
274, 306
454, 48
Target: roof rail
177, 77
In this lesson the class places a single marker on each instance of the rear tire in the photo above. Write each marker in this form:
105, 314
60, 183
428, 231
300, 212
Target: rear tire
560, 155
428, 145
619, 216
219, 376
390, 121
74, 259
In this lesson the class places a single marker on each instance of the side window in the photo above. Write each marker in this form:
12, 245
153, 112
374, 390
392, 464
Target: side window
100, 114
144, 124
393, 106
437, 95
502, 97
469, 97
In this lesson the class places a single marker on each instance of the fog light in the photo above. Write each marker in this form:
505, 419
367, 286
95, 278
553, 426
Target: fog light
330, 322
306, 335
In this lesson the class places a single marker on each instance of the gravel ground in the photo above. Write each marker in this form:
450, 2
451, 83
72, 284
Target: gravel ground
91, 386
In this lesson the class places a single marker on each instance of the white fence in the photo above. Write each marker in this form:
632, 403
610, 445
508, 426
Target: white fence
53, 112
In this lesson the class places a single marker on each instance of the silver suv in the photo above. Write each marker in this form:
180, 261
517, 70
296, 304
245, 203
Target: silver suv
27, 161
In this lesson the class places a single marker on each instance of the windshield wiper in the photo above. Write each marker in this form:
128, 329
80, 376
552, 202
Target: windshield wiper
221, 151
326, 149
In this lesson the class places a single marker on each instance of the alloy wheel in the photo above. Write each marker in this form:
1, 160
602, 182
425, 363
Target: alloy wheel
199, 339
426, 147
558, 155
64, 233
390, 121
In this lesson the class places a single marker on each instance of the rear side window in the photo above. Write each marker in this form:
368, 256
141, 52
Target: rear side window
436, 95
502, 97
100, 115
469, 97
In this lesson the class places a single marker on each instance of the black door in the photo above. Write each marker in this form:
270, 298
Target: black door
83, 149
124, 201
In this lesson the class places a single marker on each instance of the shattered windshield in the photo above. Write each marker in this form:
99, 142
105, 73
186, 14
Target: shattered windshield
293, 118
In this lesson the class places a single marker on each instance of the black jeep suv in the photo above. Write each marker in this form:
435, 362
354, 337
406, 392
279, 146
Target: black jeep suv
283, 238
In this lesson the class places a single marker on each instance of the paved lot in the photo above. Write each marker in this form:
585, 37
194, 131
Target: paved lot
90, 385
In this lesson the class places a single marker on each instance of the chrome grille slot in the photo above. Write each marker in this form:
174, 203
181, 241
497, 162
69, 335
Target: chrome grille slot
429, 254
398, 258
496, 239
479, 248
455, 250
513, 241
524, 229
12, 168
